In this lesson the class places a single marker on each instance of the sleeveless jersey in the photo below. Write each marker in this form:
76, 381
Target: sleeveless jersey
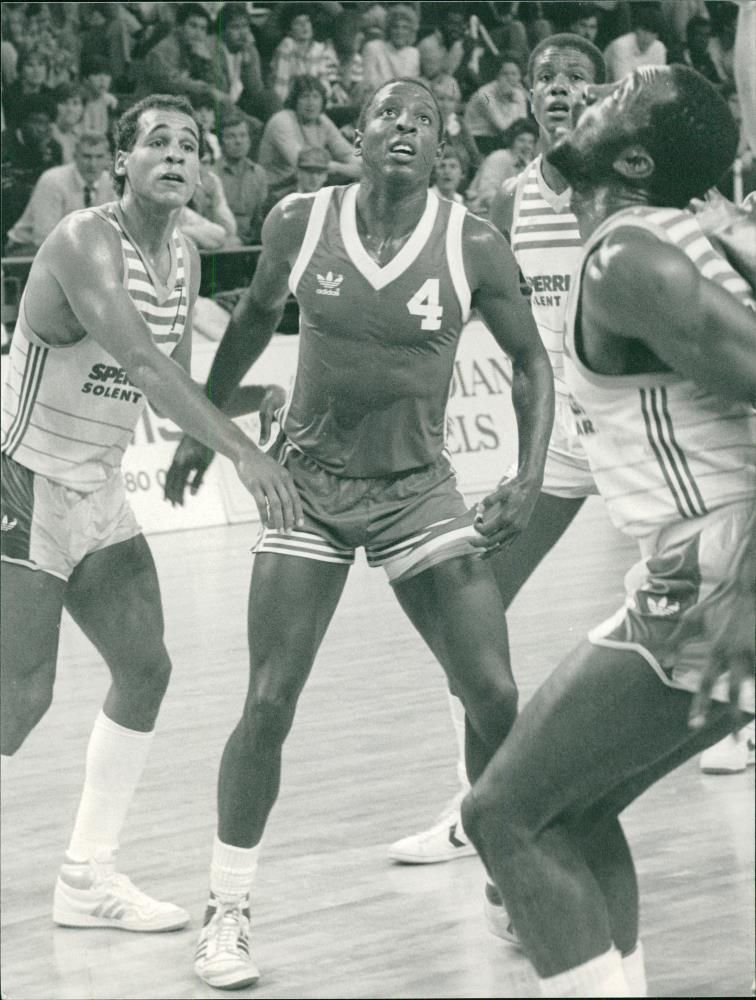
377, 344
661, 448
546, 244
69, 412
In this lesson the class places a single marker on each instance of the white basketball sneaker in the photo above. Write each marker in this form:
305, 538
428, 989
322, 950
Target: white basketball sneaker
444, 841
222, 958
94, 894
497, 918
732, 754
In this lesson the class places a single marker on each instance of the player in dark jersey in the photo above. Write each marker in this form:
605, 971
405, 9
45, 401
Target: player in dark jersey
660, 357
384, 273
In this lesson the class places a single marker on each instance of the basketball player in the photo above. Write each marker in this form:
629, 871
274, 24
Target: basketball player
104, 323
533, 210
385, 274
660, 359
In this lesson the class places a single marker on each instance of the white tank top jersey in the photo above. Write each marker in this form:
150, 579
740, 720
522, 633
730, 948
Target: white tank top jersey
546, 244
69, 412
661, 448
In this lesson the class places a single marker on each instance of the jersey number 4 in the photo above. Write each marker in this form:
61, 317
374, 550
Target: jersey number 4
425, 303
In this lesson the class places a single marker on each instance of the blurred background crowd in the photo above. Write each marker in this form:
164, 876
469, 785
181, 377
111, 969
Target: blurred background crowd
277, 88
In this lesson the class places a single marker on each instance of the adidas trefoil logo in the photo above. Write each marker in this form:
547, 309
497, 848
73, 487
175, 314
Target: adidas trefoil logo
329, 284
7, 523
663, 608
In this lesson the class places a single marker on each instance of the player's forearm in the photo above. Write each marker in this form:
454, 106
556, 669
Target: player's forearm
533, 402
247, 335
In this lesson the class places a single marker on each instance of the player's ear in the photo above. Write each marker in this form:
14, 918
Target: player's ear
440, 151
634, 163
357, 142
119, 167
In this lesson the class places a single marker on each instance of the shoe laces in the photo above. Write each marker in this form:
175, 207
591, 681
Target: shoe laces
228, 922
125, 888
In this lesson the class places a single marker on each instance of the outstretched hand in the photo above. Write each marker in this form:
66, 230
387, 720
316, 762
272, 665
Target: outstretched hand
503, 515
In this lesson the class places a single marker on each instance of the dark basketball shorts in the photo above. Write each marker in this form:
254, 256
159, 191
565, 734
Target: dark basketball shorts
49, 527
695, 580
406, 523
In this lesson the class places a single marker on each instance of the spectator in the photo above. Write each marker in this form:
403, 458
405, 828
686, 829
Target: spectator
100, 105
299, 54
639, 47
433, 66
696, 52
347, 83
181, 62
205, 114
303, 123
517, 152
32, 69
494, 106
312, 169
13, 25
457, 134
60, 190
209, 200
69, 111
41, 36
676, 15
507, 32
26, 154
584, 20
245, 183
722, 44
448, 175
237, 62
396, 55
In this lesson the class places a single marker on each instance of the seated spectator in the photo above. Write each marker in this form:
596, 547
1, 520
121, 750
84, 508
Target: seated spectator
507, 32
60, 190
639, 47
69, 106
303, 123
448, 175
100, 106
519, 145
237, 63
347, 82
494, 106
245, 183
457, 134
32, 68
722, 44
696, 52
205, 114
181, 62
312, 169
300, 54
209, 202
675, 16
584, 20
433, 67
26, 153
43, 36
396, 55
13, 26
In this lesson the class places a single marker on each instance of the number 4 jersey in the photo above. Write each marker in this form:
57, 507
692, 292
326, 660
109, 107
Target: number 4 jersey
377, 344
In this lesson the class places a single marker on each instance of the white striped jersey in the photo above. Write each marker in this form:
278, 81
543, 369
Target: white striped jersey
661, 448
69, 412
546, 243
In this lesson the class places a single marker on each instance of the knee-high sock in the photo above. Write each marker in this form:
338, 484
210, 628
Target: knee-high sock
600, 977
115, 760
458, 721
635, 971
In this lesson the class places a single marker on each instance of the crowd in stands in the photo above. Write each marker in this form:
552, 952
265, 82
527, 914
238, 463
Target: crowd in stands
277, 89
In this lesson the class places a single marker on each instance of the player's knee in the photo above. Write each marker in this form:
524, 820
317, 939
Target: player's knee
269, 713
24, 704
146, 676
497, 712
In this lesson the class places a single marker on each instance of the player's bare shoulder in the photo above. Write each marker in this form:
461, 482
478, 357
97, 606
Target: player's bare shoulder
82, 238
285, 226
488, 257
501, 210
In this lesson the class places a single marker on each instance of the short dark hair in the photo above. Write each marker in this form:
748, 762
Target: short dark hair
65, 91
648, 17
582, 11
566, 40
519, 127
401, 79
304, 85
36, 104
693, 139
233, 118
127, 126
93, 63
187, 10
232, 10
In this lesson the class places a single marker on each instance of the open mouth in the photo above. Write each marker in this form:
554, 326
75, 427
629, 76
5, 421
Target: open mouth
402, 151
559, 110
172, 178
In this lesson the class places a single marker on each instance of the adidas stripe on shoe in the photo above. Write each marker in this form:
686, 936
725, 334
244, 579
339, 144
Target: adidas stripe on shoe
497, 918
222, 958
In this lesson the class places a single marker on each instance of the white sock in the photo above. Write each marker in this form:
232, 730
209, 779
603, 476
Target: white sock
600, 977
634, 967
5, 760
232, 870
458, 721
115, 760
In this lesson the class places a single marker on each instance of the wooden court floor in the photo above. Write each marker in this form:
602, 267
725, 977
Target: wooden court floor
371, 758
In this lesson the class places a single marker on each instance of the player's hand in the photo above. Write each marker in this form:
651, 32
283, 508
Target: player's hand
187, 469
272, 488
502, 515
272, 401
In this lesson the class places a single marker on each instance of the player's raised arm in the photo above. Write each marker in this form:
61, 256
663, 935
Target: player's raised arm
497, 297
696, 327
107, 313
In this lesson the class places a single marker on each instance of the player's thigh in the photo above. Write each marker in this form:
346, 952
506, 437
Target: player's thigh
602, 718
291, 602
32, 602
513, 564
456, 607
114, 597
